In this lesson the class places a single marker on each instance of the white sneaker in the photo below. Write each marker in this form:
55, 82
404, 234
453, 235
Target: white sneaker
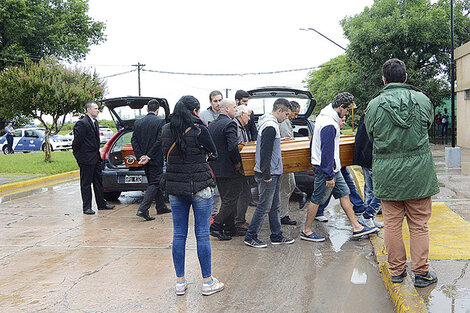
216, 286
321, 218
181, 288
367, 222
378, 224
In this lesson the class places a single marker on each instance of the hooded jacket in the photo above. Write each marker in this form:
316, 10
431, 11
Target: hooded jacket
397, 123
324, 146
268, 147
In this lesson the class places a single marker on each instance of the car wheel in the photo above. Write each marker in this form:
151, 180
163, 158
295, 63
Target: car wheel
112, 195
5, 149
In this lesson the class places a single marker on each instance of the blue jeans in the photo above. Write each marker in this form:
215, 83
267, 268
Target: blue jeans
371, 202
269, 203
354, 196
202, 213
10, 143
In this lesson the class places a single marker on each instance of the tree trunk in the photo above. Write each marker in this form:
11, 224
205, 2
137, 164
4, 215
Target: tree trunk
47, 157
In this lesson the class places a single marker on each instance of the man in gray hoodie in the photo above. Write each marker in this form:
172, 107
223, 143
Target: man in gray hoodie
268, 169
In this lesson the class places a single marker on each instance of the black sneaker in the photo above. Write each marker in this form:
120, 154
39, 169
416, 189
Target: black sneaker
283, 241
287, 221
255, 243
422, 281
399, 278
220, 234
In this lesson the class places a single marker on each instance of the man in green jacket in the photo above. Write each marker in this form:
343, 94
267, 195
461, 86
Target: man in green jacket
397, 123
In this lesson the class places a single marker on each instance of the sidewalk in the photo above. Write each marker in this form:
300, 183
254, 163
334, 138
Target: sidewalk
449, 255
22, 184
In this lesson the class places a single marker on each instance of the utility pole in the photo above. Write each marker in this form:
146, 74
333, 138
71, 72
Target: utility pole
226, 92
452, 74
139, 67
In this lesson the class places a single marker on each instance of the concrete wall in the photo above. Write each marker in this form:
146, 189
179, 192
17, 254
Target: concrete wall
462, 61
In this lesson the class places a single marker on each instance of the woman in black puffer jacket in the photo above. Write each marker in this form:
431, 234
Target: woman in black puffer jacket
187, 145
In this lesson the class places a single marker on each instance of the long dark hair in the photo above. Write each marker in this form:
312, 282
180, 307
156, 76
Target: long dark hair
182, 118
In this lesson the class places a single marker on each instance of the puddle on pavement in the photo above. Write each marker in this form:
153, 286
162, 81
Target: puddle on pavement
445, 299
359, 276
126, 198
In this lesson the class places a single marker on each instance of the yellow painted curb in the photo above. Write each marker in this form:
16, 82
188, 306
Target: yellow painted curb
38, 180
404, 296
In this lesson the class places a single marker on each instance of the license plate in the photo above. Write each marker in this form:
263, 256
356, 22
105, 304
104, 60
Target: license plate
133, 179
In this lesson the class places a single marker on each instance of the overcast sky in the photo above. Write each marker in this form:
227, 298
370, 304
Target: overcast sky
213, 37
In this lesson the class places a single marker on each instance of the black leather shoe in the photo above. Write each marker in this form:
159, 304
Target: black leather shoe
235, 232
220, 234
163, 211
107, 207
303, 200
287, 221
89, 211
145, 215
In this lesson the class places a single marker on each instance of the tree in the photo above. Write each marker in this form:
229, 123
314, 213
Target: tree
32, 29
48, 88
414, 31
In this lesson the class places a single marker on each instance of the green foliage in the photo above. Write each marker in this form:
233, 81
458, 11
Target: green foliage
337, 75
62, 161
414, 31
47, 88
36, 28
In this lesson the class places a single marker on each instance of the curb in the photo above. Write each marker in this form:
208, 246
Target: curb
404, 296
34, 181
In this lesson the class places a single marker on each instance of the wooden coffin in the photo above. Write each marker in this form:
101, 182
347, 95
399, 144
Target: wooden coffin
296, 154
129, 156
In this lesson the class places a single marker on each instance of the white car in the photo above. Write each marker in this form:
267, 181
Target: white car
105, 134
32, 139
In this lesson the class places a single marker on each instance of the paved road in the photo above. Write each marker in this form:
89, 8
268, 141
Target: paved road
54, 259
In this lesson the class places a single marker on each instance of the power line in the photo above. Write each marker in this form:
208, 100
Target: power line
117, 74
232, 74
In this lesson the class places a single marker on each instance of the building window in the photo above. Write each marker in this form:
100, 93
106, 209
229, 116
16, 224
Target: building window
467, 94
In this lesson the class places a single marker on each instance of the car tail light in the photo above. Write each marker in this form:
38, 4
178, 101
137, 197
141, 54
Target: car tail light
108, 145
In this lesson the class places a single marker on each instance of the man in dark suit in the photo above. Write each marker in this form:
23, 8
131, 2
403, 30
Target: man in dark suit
146, 143
86, 150
227, 170
241, 98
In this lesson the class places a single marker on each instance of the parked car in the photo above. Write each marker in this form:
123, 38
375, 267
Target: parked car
261, 101
105, 134
32, 139
116, 176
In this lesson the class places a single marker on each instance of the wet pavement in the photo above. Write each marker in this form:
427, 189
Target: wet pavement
452, 291
55, 259
6, 178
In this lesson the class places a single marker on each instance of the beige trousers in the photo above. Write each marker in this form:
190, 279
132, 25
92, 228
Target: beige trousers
418, 213
287, 182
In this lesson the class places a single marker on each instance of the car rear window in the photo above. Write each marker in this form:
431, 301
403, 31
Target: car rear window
115, 154
262, 105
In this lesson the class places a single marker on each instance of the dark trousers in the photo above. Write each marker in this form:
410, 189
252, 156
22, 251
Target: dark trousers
10, 144
91, 174
229, 189
243, 202
153, 191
